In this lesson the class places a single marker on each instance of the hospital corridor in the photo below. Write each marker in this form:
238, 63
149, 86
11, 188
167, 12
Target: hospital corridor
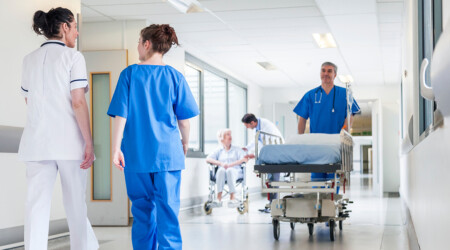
224, 124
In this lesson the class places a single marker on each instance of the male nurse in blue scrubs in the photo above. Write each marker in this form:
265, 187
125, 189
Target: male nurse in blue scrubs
326, 107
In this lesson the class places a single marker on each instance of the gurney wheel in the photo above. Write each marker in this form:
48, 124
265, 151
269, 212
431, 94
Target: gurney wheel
332, 225
340, 225
311, 228
292, 225
276, 229
207, 208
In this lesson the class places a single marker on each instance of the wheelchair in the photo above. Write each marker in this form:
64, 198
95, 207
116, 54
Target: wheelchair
242, 198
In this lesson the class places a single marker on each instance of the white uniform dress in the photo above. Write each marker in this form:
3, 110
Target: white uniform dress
52, 142
264, 125
230, 174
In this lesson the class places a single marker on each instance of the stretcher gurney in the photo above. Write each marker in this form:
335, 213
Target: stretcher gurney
307, 201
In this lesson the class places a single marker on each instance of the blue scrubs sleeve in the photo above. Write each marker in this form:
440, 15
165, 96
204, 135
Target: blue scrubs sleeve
119, 102
355, 108
302, 108
185, 106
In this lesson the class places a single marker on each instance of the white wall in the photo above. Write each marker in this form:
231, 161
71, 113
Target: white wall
425, 169
389, 100
19, 40
111, 36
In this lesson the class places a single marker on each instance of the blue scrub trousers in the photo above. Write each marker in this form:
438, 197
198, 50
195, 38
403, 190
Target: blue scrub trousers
155, 199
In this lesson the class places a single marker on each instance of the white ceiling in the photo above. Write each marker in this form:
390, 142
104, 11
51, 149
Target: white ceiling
239, 33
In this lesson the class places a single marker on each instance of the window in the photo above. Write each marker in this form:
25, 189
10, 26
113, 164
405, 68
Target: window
430, 28
192, 76
222, 101
215, 109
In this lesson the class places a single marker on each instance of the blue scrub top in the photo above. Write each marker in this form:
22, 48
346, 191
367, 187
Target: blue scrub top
318, 106
152, 98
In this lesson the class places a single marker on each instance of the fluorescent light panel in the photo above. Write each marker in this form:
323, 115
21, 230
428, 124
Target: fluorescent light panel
186, 6
324, 40
267, 65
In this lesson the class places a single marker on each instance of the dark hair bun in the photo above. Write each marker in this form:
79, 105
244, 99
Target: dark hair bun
162, 37
40, 22
48, 24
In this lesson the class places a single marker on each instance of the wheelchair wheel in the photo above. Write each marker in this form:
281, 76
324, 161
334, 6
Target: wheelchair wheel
292, 225
242, 208
207, 208
276, 229
310, 228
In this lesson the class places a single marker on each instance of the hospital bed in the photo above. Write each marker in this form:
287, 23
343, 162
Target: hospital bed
242, 197
306, 201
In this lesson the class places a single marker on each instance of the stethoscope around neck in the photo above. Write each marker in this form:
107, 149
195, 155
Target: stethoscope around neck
320, 98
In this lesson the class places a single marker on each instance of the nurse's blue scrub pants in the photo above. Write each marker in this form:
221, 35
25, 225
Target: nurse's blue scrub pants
155, 199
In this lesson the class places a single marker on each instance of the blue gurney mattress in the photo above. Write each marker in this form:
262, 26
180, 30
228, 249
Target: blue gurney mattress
299, 154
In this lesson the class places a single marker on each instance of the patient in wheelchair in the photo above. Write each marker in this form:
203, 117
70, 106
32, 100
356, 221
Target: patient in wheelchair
228, 158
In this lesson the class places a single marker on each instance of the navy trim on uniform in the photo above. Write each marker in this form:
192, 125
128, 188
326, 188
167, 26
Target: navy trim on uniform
59, 43
24, 89
77, 80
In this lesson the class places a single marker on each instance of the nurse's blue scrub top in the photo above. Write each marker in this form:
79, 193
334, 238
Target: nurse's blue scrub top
152, 98
318, 106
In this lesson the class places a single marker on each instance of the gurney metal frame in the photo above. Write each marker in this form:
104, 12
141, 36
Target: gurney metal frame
309, 201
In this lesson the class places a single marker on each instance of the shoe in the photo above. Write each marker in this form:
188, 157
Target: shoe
215, 204
233, 203
265, 210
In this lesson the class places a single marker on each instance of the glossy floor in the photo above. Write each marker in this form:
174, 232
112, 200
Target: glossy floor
375, 223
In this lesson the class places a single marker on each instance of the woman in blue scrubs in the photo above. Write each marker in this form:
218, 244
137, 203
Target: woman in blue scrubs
151, 105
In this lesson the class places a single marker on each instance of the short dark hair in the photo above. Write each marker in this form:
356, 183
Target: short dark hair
249, 118
48, 24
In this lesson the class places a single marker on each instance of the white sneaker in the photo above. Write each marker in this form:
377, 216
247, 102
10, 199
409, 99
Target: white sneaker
215, 204
233, 203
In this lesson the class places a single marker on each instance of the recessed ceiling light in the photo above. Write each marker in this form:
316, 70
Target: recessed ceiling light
324, 40
267, 65
186, 6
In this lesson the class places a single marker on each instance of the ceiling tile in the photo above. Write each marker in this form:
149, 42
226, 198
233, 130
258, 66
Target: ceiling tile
88, 12
363, 58
136, 9
114, 2
233, 5
392, 7
269, 14
345, 7
354, 30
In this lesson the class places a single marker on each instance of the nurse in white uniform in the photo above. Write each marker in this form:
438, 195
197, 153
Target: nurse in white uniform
57, 135
260, 124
